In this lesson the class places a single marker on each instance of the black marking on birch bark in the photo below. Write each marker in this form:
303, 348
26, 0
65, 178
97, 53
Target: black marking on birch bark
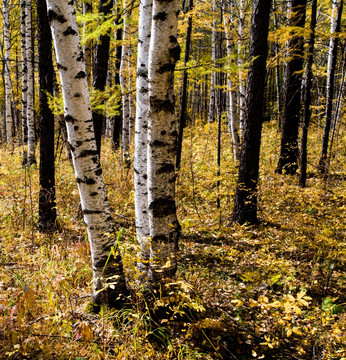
95, 159
142, 72
75, 128
70, 119
61, 67
89, 212
79, 143
162, 207
145, 176
163, 132
174, 133
158, 105
71, 147
69, 31
160, 16
52, 15
81, 75
166, 68
70, 2
143, 91
157, 143
87, 181
174, 51
85, 153
98, 172
94, 193
164, 169
77, 95
81, 56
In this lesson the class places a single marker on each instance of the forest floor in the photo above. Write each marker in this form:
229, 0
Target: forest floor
272, 291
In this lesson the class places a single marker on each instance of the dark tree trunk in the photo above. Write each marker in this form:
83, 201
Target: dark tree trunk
100, 71
307, 97
117, 120
47, 206
183, 99
333, 52
245, 204
288, 161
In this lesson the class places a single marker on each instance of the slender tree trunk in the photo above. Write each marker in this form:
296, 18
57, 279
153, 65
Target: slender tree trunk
332, 56
125, 137
288, 161
212, 98
141, 139
24, 80
132, 111
245, 203
183, 99
100, 71
30, 115
109, 280
241, 40
117, 120
277, 78
47, 205
164, 52
7, 72
232, 114
307, 96
88, 9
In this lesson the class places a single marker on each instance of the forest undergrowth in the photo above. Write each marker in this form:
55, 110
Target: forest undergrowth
272, 291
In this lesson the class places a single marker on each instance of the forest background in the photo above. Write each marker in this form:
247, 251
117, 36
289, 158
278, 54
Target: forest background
273, 290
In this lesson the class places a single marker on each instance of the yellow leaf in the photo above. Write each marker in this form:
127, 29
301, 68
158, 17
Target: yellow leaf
289, 332
297, 331
301, 294
297, 309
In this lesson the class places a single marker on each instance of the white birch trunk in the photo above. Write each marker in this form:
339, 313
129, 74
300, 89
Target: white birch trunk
24, 77
125, 96
164, 52
30, 116
232, 114
141, 138
241, 35
109, 280
7, 72
132, 111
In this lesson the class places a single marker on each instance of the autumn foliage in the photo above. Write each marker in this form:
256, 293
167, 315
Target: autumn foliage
272, 291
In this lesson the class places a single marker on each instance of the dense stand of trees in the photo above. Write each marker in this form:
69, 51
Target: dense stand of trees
242, 64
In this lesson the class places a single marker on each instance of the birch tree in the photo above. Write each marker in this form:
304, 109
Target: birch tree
30, 115
164, 52
141, 138
124, 81
109, 280
332, 56
232, 114
212, 98
24, 77
7, 71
